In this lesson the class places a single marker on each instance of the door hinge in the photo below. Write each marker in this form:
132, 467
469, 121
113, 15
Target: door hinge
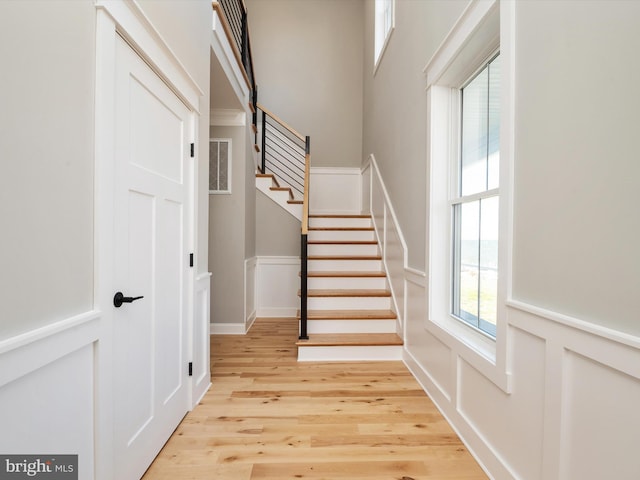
191, 369
191, 259
193, 147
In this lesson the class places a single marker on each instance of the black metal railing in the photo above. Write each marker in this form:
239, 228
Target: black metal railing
235, 15
283, 152
304, 259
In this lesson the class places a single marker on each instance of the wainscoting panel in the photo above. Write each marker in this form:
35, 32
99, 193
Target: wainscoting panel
277, 284
47, 384
601, 423
200, 355
250, 268
569, 407
335, 190
394, 260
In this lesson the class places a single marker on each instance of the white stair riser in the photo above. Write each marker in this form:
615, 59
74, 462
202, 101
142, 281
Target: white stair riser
342, 235
341, 249
349, 303
264, 184
344, 265
351, 283
351, 326
339, 222
350, 353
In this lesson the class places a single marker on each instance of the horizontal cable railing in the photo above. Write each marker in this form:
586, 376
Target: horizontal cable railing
286, 155
234, 17
282, 152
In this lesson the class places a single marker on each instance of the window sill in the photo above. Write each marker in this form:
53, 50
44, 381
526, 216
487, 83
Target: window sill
472, 346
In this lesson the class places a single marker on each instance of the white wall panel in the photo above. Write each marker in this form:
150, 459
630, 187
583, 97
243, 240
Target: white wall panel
377, 208
499, 417
250, 267
366, 189
394, 256
200, 355
47, 385
601, 423
335, 190
277, 284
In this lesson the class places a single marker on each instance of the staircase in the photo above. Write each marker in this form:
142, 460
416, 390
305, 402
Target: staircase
345, 307
350, 315
268, 184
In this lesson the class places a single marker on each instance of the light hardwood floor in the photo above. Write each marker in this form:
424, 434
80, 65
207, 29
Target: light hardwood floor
269, 417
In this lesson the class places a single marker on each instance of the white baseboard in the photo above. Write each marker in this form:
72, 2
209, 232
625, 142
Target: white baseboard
278, 312
227, 329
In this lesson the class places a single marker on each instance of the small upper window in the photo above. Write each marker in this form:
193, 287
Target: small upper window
384, 23
220, 165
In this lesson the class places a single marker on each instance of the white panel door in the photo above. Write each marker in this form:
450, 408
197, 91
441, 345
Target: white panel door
152, 183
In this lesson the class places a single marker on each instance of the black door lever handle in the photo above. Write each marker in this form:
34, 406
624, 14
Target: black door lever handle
119, 299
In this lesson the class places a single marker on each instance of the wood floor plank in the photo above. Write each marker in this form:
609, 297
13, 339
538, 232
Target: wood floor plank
268, 417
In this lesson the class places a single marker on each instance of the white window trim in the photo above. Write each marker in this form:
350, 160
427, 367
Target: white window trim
484, 26
229, 167
377, 55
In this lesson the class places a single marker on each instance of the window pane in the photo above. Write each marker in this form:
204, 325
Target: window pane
474, 135
488, 286
213, 166
224, 166
467, 266
493, 174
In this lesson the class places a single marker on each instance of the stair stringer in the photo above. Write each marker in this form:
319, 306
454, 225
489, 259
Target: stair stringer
281, 197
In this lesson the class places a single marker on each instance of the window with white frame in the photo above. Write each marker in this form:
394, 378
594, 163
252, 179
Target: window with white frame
475, 201
220, 165
384, 23
470, 182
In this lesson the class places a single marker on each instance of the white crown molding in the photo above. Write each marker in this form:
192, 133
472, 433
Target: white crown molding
223, 117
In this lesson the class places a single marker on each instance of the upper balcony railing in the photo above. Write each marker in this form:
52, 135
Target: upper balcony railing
235, 15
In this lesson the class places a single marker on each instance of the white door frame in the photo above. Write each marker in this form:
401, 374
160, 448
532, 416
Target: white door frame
125, 18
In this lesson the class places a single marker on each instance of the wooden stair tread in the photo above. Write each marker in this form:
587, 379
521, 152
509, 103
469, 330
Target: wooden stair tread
344, 257
343, 229
351, 339
350, 314
342, 242
295, 202
344, 292
257, 148
268, 175
354, 274
339, 216
283, 189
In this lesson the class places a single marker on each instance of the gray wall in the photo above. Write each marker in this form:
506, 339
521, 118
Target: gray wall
46, 162
577, 171
395, 109
47, 149
277, 232
308, 64
576, 226
230, 220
